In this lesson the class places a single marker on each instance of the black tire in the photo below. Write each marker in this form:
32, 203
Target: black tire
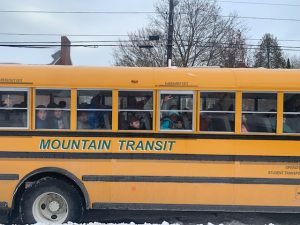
48, 189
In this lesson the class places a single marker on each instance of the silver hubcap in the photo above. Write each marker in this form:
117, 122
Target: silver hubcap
50, 208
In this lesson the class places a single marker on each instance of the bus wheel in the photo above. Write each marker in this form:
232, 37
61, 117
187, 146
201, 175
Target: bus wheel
51, 201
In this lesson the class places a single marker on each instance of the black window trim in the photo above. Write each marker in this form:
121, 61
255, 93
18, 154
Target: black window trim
27, 90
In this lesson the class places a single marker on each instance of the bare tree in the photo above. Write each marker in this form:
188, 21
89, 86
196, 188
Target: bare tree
234, 52
138, 51
202, 37
295, 62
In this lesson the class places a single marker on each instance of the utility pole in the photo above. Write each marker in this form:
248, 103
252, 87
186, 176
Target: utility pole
170, 33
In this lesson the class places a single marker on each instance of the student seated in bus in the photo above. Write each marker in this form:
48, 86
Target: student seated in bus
60, 120
179, 124
82, 121
96, 118
173, 121
134, 123
41, 121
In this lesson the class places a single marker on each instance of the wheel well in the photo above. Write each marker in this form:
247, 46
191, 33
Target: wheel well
39, 174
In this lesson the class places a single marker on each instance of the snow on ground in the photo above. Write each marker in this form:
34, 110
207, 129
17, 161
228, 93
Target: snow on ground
164, 223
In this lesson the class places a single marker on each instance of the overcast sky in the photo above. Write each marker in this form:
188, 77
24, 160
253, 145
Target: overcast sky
119, 25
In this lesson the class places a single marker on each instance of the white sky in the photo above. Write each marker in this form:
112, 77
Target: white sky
118, 24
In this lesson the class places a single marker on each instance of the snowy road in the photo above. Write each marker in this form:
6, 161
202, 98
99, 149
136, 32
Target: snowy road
190, 218
186, 218
164, 223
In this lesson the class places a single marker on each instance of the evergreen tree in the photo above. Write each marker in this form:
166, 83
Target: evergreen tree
288, 64
269, 53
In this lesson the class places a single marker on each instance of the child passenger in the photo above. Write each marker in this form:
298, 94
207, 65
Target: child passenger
41, 121
134, 123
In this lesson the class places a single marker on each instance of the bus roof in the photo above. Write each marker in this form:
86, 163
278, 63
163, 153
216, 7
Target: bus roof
150, 78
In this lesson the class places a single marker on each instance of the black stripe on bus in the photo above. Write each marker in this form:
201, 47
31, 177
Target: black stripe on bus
9, 177
195, 207
149, 156
265, 136
175, 179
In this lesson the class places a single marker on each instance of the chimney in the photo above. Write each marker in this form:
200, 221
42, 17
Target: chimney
63, 56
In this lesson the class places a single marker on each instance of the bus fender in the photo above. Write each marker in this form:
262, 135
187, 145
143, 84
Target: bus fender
48, 171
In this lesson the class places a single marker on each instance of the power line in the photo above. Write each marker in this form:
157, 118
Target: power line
111, 35
43, 46
139, 12
58, 45
77, 12
263, 18
283, 40
126, 41
69, 35
117, 43
58, 42
260, 3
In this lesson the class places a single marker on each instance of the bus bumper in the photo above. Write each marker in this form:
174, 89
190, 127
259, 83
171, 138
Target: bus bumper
4, 211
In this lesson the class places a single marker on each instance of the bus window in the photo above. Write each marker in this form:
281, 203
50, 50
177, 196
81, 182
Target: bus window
217, 111
176, 110
52, 109
135, 110
13, 108
94, 109
291, 113
259, 112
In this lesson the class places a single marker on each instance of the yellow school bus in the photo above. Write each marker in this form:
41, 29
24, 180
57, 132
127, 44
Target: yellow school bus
79, 138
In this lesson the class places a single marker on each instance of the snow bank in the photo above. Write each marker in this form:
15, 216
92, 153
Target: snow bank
164, 223
96, 223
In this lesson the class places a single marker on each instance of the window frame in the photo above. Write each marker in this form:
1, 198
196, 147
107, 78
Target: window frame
52, 109
254, 112
188, 92
288, 113
234, 112
27, 90
77, 109
134, 110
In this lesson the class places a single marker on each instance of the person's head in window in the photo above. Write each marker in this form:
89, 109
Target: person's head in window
62, 104
96, 101
134, 123
178, 123
41, 117
60, 122
170, 121
173, 115
58, 113
83, 120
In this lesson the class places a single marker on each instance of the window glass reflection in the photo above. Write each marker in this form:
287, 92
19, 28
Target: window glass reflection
13, 109
176, 110
94, 110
